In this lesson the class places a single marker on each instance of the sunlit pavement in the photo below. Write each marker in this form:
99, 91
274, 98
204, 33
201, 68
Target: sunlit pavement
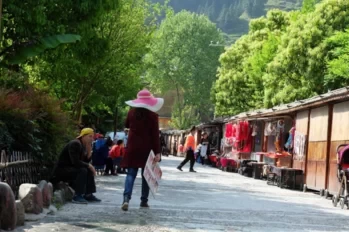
209, 200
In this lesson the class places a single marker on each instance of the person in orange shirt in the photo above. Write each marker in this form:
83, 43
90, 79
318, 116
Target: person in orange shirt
115, 156
189, 148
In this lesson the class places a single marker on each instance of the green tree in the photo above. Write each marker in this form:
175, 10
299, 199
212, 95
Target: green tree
107, 61
337, 61
309, 5
285, 57
184, 118
240, 84
181, 59
298, 70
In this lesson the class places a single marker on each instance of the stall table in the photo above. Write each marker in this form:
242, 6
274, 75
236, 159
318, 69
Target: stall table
257, 168
285, 177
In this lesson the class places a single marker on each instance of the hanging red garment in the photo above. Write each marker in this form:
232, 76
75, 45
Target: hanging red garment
238, 132
249, 138
245, 130
228, 130
234, 131
248, 144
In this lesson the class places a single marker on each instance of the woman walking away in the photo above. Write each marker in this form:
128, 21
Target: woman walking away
143, 136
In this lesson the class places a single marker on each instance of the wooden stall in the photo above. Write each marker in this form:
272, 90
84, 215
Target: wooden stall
300, 140
339, 135
321, 123
316, 165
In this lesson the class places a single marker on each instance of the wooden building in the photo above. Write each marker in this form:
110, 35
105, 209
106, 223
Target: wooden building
321, 124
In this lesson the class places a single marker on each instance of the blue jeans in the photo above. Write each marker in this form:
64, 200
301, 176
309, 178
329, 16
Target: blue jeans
130, 179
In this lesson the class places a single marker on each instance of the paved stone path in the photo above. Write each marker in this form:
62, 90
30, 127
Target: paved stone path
210, 200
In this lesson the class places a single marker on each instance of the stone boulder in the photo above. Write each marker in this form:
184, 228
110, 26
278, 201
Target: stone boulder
50, 186
59, 197
69, 194
46, 193
20, 213
8, 211
68, 191
31, 197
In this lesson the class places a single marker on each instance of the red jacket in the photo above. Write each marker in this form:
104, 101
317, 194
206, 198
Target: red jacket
143, 137
116, 151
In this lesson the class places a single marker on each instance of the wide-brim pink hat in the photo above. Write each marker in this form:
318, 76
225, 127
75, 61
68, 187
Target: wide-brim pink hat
146, 100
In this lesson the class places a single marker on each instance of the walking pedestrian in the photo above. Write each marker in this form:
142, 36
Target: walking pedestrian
189, 148
143, 136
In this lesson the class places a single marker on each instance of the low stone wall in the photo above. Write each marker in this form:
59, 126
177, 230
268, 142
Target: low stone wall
35, 202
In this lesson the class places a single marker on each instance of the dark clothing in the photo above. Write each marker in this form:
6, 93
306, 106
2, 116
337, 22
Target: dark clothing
100, 152
73, 155
143, 137
80, 179
162, 141
109, 166
73, 167
189, 157
111, 163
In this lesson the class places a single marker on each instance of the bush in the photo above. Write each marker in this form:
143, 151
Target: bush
31, 120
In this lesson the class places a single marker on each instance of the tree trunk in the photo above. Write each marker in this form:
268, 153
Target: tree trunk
78, 112
180, 109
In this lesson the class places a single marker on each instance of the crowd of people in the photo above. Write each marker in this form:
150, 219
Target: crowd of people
89, 151
80, 157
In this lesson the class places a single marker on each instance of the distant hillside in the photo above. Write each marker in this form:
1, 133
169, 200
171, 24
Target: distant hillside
232, 16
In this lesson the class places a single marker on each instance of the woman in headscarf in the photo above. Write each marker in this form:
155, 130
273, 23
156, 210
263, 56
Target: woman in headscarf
143, 136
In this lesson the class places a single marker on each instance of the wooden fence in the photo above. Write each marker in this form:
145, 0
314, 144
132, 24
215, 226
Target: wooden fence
17, 168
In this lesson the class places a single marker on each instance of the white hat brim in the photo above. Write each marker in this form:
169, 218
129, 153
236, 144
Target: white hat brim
154, 108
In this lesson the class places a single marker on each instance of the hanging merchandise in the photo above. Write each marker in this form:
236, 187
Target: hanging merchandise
281, 124
266, 129
228, 130
254, 130
270, 129
234, 131
244, 129
289, 143
229, 141
238, 131
279, 131
247, 146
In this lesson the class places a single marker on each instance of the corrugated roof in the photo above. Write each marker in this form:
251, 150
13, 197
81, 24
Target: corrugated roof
335, 95
338, 94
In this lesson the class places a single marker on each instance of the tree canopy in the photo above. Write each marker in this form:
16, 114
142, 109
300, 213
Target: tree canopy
285, 56
181, 59
91, 78
105, 66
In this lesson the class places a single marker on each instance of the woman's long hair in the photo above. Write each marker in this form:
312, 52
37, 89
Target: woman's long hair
140, 113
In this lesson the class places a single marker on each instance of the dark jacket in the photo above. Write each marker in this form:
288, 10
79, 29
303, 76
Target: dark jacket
143, 137
73, 155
